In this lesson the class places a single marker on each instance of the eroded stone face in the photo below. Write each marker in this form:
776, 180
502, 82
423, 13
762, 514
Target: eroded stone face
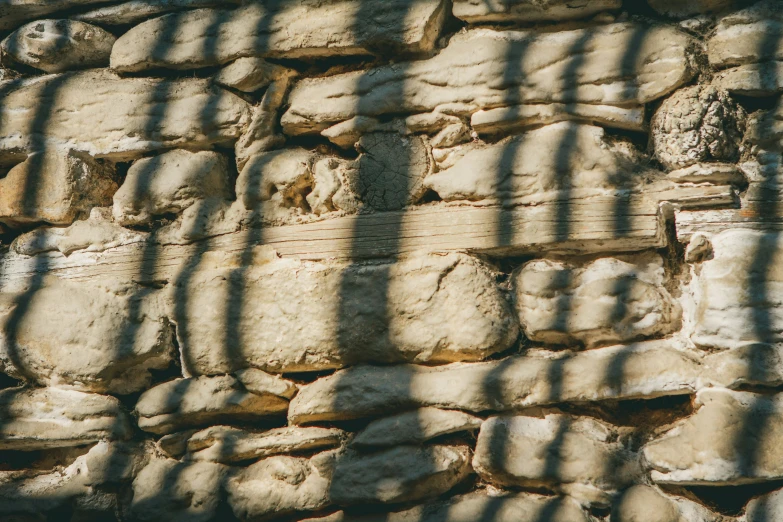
475, 11
751, 35
414, 427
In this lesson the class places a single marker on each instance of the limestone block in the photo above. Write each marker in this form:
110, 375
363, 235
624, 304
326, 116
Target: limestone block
740, 291
607, 300
675, 8
283, 315
400, 474
559, 161
580, 455
198, 401
476, 11
747, 451
751, 35
579, 66
643, 503
644, 370
756, 79
505, 119
697, 124
307, 29
135, 11
59, 45
251, 73
494, 506
765, 507
289, 484
716, 173
55, 187
94, 336
44, 418
14, 12
168, 184
228, 445
167, 489
95, 234
414, 427
260, 382
107, 116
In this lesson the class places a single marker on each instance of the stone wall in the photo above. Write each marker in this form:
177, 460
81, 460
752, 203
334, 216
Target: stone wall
391, 260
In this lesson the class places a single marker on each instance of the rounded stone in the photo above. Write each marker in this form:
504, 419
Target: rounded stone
644, 504
697, 124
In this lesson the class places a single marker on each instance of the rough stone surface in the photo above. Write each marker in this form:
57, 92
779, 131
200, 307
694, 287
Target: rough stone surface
515, 117
756, 79
55, 187
59, 45
251, 73
14, 12
717, 173
104, 115
135, 11
94, 336
414, 427
593, 56
751, 35
43, 418
285, 30
607, 300
203, 400
590, 461
284, 315
676, 8
697, 124
766, 507
168, 184
474, 11
765, 132
747, 450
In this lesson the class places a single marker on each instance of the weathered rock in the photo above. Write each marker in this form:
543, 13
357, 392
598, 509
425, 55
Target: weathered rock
262, 133
55, 187
515, 117
260, 382
676, 8
644, 504
198, 401
607, 300
400, 474
747, 451
415, 427
482, 506
765, 131
474, 11
175, 445
289, 484
747, 306
287, 315
94, 336
757, 79
580, 66
697, 124
650, 369
251, 73
749, 36
765, 508
226, 444
168, 184
59, 45
43, 418
335, 187
135, 11
14, 12
167, 489
94, 234
579, 455
306, 29
104, 115
560, 161
716, 173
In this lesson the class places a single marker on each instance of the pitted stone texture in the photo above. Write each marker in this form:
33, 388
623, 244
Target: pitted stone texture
645, 370
56, 187
168, 184
14, 12
751, 35
44, 418
474, 11
251, 73
200, 401
307, 29
747, 451
676, 8
59, 45
94, 336
104, 115
286, 315
697, 124
579, 455
414, 427
607, 300
226, 444
740, 291
400, 474
167, 489
494, 506
538, 70
135, 11
559, 161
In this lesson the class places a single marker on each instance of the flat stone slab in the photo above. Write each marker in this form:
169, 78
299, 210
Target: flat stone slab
476, 11
751, 35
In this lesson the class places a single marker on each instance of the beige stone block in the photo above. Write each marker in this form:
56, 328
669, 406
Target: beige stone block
414, 427
476, 11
